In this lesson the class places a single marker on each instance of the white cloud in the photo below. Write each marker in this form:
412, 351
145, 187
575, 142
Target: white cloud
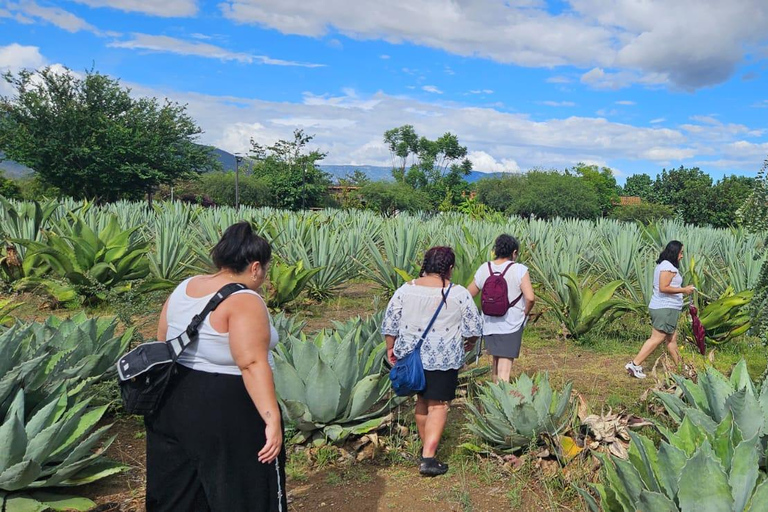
760, 104
558, 80
657, 120
626, 102
686, 43
483, 162
558, 103
166, 44
431, 88
481, 91
26, 11
350, 127
16, 57
384, 57
164, 8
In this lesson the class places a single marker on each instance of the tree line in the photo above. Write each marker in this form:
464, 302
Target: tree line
86, 136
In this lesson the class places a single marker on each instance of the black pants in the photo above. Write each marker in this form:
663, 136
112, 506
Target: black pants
202, 449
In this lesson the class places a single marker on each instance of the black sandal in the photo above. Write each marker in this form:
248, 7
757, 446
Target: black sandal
430, 466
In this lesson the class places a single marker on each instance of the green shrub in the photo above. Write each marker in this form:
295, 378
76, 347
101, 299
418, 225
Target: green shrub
645, 213
386, 197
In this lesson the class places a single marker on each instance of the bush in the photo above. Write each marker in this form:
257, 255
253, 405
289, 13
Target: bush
499, 193
645, 213
218, 188
386, 197
550, 194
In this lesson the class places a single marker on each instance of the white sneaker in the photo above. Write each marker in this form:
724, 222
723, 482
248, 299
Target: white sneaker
634, 370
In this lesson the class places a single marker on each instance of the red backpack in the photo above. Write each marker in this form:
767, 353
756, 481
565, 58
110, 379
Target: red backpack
494, 297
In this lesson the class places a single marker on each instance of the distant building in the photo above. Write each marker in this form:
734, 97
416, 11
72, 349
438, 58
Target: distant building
629, 200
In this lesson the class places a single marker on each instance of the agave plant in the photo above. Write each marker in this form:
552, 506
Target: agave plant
398, 250
173, 252
727, 317
89, 262
698, 468
511, 416
55, 445
332, 385
43, 357
287, 325
714, 397
585, 309
286, 282
6, 306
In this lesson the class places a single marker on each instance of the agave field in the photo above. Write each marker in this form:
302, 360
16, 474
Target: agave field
331, 383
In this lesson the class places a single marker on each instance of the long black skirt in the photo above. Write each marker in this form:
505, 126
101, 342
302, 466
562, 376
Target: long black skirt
202, 449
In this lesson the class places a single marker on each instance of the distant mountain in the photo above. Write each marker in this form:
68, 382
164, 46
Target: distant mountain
383, 173
13, 169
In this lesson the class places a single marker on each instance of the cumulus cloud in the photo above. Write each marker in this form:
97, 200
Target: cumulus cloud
166, 44
350, 127
687, 43
164, 8
15, 57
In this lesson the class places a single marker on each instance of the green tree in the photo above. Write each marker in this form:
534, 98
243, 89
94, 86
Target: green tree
685, 190
355, 179
725, 199
645, 213
639, 185
388, 198
91, 139
499, 193
8, 188
549, 194
602, 182
437, 167
295, 180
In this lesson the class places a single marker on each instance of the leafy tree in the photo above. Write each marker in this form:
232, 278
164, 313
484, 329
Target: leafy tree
355, 179
8, 188
388, 198
438, 167
645, 213
551, 194
91, 139
685, 190
754, 214
498, 193
726, 197
639, 185
292, 174
602, 182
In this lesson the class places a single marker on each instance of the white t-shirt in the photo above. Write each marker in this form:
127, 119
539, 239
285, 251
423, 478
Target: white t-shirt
515, 317
211, 352
666, 300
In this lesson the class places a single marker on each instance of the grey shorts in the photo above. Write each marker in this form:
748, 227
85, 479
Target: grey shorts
665, 319
504, 345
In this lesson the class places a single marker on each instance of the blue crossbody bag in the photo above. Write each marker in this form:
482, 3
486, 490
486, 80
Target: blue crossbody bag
407, 375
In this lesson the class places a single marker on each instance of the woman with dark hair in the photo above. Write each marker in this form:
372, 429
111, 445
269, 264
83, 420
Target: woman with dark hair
503, 328
216, 442
665, 307
454, 331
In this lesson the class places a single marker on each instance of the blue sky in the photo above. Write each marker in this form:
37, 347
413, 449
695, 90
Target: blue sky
636, 86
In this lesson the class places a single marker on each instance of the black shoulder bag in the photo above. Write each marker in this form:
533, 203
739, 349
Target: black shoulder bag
144, 372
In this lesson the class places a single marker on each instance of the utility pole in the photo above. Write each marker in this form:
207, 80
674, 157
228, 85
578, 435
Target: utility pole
238, 159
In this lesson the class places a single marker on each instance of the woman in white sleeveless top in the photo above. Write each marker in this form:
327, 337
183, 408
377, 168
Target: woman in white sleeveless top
664, 308
216, 442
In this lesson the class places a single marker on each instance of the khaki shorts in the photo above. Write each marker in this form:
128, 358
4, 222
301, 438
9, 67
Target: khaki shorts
665, 319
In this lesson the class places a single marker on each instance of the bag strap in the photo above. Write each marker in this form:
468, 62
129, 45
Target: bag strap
512, 304
434, 317
185, 339
507, 268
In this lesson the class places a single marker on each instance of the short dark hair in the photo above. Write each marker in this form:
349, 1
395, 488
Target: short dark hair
505, 246
671, 253
238, 247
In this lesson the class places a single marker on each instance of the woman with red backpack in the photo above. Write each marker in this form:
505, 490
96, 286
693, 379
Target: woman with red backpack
506, 300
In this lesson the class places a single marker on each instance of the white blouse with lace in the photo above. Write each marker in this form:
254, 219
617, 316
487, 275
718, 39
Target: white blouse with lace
409, 312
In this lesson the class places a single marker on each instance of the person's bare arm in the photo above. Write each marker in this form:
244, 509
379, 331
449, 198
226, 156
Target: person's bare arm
665, 279
391, 348
527, 288
162, 324
473, 289
249, 343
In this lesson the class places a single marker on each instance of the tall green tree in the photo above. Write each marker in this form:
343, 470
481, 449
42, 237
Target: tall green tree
639, 185
602, 182
549, 194
685, 190
437, 167
725, 199
90, 138
291, 171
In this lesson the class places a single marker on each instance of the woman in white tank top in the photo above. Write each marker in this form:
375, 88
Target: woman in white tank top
216, 442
